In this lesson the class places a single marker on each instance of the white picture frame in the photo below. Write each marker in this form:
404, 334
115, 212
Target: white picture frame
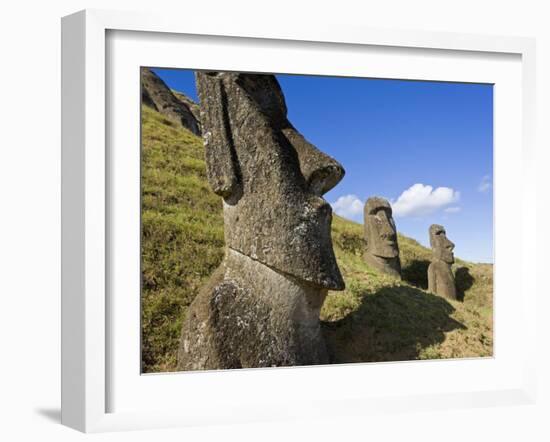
87, 205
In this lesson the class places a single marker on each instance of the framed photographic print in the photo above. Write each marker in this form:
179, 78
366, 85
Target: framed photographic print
261, 223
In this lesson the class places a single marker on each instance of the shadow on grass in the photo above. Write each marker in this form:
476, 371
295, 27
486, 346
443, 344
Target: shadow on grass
463, 281
393, 324
416, 273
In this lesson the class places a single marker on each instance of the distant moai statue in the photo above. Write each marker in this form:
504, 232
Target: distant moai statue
261, 306
440, 275
382, 250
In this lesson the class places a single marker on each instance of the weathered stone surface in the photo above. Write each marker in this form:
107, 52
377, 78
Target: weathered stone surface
156, 94
440, 275
261, 308
249, 315
146, 98
382, 249
193, 107
270, 177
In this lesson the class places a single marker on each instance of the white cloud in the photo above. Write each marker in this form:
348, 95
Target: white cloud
420, 199
485, 184
453, 209
348, 206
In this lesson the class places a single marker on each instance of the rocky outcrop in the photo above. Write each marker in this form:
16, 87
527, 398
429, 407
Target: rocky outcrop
193, 107
261, 308
156, 94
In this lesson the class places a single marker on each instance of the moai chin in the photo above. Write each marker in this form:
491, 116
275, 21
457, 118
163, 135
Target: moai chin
382, 250
261, 307
441, 280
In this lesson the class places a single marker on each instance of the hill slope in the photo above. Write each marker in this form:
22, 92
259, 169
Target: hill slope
375, 319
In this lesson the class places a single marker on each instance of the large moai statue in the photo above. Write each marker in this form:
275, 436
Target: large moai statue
382, 250
261, 307
441, 280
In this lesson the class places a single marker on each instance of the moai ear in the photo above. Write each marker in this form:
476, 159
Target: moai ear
218, 144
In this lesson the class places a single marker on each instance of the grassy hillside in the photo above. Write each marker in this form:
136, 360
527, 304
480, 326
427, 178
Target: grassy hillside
182, 234
378, 318
375, 319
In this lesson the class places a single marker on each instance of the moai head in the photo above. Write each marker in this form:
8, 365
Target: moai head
382, 251
270, 177
442, 247
380, 230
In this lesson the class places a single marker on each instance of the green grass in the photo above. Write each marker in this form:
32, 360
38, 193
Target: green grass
182, 234
379, 318
376, 318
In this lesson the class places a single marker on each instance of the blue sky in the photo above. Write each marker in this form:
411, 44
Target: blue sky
425, 146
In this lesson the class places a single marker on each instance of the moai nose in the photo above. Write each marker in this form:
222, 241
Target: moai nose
387, 229
325, 177
321, 171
